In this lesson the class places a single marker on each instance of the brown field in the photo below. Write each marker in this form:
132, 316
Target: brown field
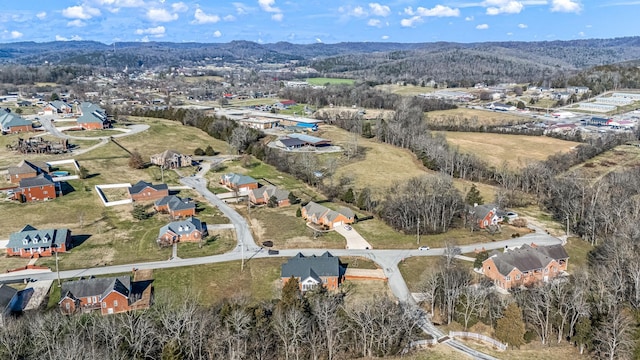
620, 158
514, 150
348, 111
408, 90
474, 118
196, 79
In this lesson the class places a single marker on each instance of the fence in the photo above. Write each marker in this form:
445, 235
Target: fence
484, 338
419, 344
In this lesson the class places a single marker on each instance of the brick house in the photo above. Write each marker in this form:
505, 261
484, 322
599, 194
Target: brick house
324, 270
171, 159
111, 295
238, 182
13, 123
41, 187
484, 216
320, 215
92, 117
26, 169
262, 195
175, 207
189, 230
145, 191
57, 107
526, 265
31, 242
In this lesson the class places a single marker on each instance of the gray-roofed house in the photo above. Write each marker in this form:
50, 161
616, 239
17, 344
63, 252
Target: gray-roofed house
109, 295
145, 191
26, 169
41, 187
321, 215
238, 182
312, 271
31, 242
12, 301
171, 159
176, 207
13, 123
526, 265
92, 117
57, 107
261, 196
189, 230
484, 216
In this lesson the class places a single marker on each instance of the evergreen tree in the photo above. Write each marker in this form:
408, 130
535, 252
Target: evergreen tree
293, 199
480, 257
291, 296
583, 336
299, 212
348, 196
209, 151
139, 212
510, 327
273, 201
198, 152
83, 172
473, 196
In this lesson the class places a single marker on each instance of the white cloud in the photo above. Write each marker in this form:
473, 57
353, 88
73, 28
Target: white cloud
16, 34
83, 12
568, 6
437, 11
411, 21
504, 7
379, 10
73, 38
409, 11
482, 27
41, 15
161, 15
277, 17
267, 5
358, 11
374, 22
468, 18
384, 37
523, 26
217, 34
229, 18
200, 17
318, 40
581, 33
157, 31
179, 7
241, 9
509, 33
77, 23
145, 39
122, 3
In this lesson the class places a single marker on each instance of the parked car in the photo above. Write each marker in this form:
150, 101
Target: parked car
273, 252
423, 248
511, 215
347, 227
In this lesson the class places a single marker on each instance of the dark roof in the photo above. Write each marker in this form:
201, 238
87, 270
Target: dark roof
40, 180
288, 142
27, 167
29, 237
527, 258
237, 179
271, 191
95, 287
183, 227
314, 266
175, 203
481, 211
141, 185
6, 295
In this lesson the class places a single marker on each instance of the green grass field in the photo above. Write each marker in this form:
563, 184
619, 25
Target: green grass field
320, 81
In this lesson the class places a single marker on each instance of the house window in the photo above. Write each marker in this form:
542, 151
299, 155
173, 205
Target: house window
546, 270
95, 299
115, 303
104, 305
67, 306
518, 277
508, 278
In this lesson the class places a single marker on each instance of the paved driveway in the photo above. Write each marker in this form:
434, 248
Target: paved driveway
354, 239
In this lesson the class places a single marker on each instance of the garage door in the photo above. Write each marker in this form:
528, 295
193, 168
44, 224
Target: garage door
337, 223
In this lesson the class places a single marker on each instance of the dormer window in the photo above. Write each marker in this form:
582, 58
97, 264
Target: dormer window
25, 241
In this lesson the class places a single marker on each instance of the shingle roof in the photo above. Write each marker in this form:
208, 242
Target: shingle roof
271, 191
40, 180
95, 287
141, 185
6, 295
237, 179
29, 237
527, 258
9, 119
288, 142
481, 211
183, 227
175, 203
91, 113
314, 266
315, 209
24, 167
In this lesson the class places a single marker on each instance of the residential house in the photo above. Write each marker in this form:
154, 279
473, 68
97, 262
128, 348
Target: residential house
13, 123
57, 107
321, 215
12, 301
578, 89
238, 182
484, 216
189, 230
145, 191
171, 159
31, 242
562, 96
526, 265
26, 169
41, 187
109, 295
175, 207
284, 104
311, 271
92, 117
261, 196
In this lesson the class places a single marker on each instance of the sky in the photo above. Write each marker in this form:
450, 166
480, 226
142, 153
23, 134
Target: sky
316, 21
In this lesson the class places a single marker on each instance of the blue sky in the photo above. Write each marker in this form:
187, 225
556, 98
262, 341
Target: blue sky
310, 21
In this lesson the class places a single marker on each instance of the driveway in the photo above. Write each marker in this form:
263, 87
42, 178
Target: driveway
354, 239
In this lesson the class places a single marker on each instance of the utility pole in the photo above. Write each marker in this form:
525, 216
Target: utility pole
567, 225
418, 232
57, 269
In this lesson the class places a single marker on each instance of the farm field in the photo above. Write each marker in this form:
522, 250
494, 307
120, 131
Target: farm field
514, 150
619, 158
370, 114
332, 81
408, 90
472, 118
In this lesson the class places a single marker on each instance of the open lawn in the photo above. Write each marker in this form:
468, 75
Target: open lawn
514, 150
331, 81
473, 118
619, 158
93, 133
252, 102
196, 79
409, 90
